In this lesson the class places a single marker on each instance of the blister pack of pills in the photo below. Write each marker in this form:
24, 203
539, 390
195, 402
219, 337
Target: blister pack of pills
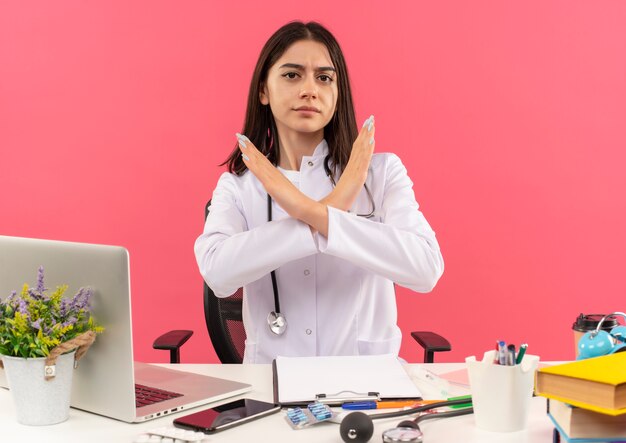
299, 418
167, 434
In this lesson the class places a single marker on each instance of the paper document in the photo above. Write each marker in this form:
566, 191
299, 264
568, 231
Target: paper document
301, 379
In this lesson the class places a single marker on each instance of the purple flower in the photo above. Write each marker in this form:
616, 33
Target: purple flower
21, 307
40, 287
34, 294
63, 308
36, 324
81, 299
70, 321
39, 293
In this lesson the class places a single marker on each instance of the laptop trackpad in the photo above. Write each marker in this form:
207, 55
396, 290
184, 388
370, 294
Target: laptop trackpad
155, 375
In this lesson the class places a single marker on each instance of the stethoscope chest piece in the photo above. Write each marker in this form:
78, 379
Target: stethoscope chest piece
277, 322
402, 435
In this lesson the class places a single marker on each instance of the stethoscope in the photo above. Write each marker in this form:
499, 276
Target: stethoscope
357, 427
275, 319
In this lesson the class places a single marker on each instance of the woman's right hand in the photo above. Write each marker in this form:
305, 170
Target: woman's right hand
354, 175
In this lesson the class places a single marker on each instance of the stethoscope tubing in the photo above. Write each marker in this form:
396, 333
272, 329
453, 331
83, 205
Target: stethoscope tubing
273, 316
273, 273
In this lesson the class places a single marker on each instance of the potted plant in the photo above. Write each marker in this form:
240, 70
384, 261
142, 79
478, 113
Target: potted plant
42, 334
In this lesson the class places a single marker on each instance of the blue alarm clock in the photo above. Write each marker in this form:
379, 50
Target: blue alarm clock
597, 343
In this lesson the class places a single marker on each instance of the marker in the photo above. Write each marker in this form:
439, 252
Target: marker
463, 405
522, 351
363, 405
510, 361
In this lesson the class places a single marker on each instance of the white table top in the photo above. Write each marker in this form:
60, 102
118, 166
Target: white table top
86, 427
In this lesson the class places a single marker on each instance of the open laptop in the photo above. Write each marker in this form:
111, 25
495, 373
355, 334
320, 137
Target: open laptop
106, 379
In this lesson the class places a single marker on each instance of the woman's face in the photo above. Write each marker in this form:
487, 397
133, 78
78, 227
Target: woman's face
301, 89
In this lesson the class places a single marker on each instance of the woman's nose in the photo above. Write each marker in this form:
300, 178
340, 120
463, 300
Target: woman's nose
309, 88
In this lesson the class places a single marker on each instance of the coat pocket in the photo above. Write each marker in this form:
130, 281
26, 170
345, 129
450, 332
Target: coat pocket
377, 347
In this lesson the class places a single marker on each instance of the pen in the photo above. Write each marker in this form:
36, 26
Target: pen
359, 405
522, 351
502, 353
496, 355
363, 405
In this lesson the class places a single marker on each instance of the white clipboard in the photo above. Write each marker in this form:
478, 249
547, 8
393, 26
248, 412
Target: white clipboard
339, 379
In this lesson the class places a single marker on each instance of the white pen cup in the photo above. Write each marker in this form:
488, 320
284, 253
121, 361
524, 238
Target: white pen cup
501, 394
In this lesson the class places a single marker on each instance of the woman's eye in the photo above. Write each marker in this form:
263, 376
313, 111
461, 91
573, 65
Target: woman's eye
290, 75
325, 78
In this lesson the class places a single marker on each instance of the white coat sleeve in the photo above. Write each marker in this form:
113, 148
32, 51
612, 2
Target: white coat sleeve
402, 248
230, 255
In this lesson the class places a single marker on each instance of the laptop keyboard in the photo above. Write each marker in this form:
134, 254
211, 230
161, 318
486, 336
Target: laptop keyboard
145, 395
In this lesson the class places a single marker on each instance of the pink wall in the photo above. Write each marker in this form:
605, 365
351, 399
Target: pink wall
509, 117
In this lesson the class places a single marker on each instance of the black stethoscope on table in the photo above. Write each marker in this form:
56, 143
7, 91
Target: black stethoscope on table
275, 319
357, 427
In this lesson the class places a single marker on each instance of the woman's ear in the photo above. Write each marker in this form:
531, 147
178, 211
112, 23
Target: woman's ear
263, 96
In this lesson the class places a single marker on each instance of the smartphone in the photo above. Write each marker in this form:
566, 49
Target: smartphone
226, 416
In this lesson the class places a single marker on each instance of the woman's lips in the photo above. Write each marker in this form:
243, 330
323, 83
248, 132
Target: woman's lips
307, 109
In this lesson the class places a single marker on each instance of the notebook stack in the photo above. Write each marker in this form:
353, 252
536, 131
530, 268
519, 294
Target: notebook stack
587, 398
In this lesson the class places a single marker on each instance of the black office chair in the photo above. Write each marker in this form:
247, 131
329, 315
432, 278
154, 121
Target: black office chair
225, 325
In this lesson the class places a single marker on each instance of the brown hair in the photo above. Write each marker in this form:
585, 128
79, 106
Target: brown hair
259, 125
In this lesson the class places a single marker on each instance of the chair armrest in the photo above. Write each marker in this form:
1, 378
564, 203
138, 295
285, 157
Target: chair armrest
172, 341
431, 343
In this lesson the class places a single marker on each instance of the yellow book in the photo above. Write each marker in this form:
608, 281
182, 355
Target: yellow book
598, 384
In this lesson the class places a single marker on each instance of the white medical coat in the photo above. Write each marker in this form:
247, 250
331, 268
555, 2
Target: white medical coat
337, 293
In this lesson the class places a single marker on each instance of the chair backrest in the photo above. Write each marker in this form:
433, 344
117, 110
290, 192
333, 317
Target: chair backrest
224, 321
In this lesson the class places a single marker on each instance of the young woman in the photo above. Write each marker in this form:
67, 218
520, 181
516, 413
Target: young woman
319, 277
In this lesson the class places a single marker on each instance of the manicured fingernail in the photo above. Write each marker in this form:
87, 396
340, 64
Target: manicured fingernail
242, 144
370, 126
366, 121
242, 137
372, 141
245, 157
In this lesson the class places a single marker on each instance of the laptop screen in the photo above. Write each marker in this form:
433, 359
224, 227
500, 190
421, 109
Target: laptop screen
104, 382
105, 373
